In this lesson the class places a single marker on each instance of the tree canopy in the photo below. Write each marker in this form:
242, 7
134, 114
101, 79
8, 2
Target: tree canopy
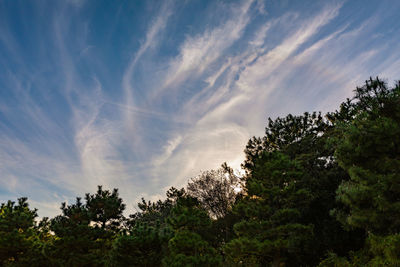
317, 190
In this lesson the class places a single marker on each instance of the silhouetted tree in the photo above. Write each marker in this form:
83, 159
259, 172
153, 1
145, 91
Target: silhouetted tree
187, 247
272, 230
85, 231
315, 187
105, 209
216, 190
19, 243
143, 245
369, 150
145, 241
306, 142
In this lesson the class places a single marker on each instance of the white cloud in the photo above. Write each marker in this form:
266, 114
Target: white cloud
143, 148
222, 131
198, 52
151, 40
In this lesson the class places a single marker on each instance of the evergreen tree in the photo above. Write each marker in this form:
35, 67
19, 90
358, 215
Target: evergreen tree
156, 213
188, 247
316, 188
17, 233
144, 245
105, 209
369, 150
272, 231
305, 141
85, 231
145, 241
76, 242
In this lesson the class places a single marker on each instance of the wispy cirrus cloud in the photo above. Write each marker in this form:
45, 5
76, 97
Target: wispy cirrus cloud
223, 126
198, 52
150, 41
164, 95
235, 109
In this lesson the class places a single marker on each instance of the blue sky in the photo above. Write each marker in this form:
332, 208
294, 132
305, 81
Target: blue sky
143, 95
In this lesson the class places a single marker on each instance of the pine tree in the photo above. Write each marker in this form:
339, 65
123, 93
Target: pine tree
188, 247
369, 150
145, 239
85, 232
105, 209
144, 245
17, 232
272, 228
305, 142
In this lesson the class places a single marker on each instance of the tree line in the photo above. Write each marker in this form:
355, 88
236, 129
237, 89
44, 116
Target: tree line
318, 190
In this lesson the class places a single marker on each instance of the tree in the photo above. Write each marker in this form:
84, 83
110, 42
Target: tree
144, 245
271, 231
145, 241
153, 213
369, 150
306, 141
85, 231
316, 187
291, 134
216, 190
105, 209
75, 245
187, 247
17, 232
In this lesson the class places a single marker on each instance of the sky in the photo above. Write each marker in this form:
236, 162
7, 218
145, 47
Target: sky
144, 95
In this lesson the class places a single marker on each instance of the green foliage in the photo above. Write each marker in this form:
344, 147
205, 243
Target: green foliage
385, 250
318, 191
369, 151
378, 251
85, 231
143, 246
291, 134
145, 241
187, 247
272, 230
17, 232
77, 242
153, 213
105, 209
304, 142
368, 148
